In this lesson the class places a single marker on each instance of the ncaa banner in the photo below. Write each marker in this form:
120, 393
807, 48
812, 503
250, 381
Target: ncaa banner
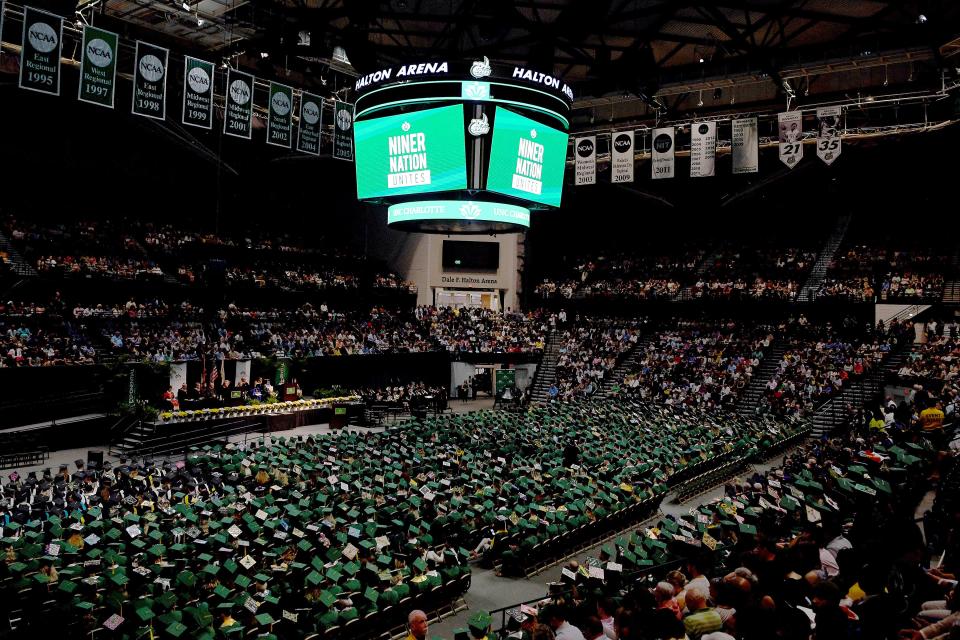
311, 123
828, 134
197, 93
343, 131
280, 116
150, 81
745, 143
98, 67
621, 156
40, 51
585, 160
790, 137
703, 149
238, 105
662, 153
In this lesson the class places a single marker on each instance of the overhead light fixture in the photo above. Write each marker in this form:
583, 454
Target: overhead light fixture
700, 101
185, 5
303, 38
886, 76
264, 54
200, 21
921, 19
701, 60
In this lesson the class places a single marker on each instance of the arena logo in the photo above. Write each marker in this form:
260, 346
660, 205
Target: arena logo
481, 68
344, 119
585, 148
151, 69
240, 92
623, 142
42, 37
542, 78
99, 53
470, 211
424, 68
280, 103
479, 126
199, 80
311, 112
662, 143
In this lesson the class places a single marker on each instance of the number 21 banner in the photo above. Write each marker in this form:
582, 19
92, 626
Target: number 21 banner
790, 137
828, 134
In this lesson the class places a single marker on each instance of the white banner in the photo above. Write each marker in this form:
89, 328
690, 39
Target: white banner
828, 134
662, 153
585, 154
791, 137
703, 149
621, 156
745, 143
242, 372
178, 375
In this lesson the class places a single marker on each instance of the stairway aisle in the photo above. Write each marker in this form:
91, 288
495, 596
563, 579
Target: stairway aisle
809, 290
626, 365
747, 403
547, 369
15, 261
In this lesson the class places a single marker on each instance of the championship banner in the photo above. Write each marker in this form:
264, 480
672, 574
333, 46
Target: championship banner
585, 160
238, 105
828, 134
343, 131
150, 81
791, 137
311, 123
197, 93
662, 153
621, 156
40, 51
703, 149
745, 143
280, 116
98, 67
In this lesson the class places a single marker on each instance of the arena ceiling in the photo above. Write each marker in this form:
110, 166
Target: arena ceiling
630, 57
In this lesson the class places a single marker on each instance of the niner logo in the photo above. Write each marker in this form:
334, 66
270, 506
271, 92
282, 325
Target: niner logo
280, 103
151, 69
199, 80
585, 148
99, 53
240, 92
42, 37
481, 69
311, 112
623, 142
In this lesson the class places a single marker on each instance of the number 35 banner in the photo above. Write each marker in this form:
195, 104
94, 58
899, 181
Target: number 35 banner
40, 53
790, 137
828, 134
98, 67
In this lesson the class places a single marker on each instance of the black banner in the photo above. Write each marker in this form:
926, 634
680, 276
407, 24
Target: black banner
198, 93
280, 116
40, 55
150, 81
238, 105
343, 131
311, 123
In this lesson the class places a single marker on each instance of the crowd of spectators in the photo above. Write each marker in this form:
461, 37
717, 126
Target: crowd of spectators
698, 363
589, 349
937, 356
865, 272
755, 273
477, 330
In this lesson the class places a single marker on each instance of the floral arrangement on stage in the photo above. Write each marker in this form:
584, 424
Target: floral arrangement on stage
253, 409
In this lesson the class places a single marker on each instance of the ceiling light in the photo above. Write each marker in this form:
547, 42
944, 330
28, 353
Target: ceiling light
700, 101
701, 60
921, 18
264, 54
199, 21
185, 5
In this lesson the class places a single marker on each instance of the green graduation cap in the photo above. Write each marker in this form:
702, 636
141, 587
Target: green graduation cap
176, 629
479, 621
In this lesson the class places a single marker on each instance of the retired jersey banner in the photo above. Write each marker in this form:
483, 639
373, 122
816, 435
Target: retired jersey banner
40, 51
790, 137
585, 160
150, 81
745, 143
197, 93
828, 134
343, 131
98, 67
280, 116
662, 153
238, 105
703, 149
621, 156
311, 123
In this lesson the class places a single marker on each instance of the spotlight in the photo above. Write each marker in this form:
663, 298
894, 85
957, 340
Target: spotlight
700, 101
701, 60
200, 21
185, 5
921, 19
264, 55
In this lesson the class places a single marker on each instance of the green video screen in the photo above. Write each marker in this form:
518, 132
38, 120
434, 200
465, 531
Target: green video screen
527, 159
417, 152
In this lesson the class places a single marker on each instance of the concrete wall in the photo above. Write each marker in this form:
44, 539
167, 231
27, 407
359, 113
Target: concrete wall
418, 257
